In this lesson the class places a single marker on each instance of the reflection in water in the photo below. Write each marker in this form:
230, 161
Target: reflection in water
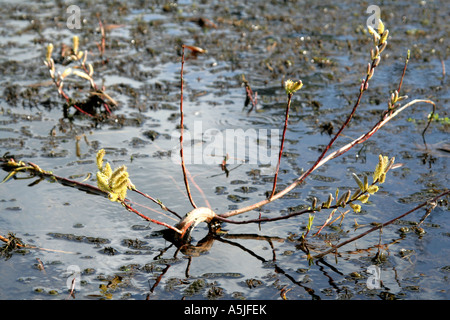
205, 244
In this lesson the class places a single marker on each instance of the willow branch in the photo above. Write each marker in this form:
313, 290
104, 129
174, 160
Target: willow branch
130, 208
334, 248
158, 202
299, 180
282, 144
321, 159
183, 166
18, 244
36, 170
331, 156
403, 73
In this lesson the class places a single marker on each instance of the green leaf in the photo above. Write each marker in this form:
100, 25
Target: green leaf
310, 222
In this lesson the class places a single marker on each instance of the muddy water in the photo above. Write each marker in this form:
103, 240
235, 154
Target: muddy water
120, 256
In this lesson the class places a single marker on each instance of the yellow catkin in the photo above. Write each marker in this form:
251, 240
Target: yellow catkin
384, 36
48, 55
372, 189
65, 73
371, 30
121, 190
356, 207
99, 159
107, 171
364, 198
116, 182
385, 162
329, 200
380, 27
120, 183
117, 172
75, 44
378, 169
113, 196
355, 195
291, 86
390, 164
347, 196
102, 182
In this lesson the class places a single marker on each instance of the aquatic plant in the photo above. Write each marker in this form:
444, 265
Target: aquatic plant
84, 71
115, 183
364, 191
291, 87
354, 200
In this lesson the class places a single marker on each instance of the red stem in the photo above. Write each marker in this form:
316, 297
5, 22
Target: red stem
282, 144
156, 201
318, 256
64, 95
129, 208
303, 176
183, 166
403, 75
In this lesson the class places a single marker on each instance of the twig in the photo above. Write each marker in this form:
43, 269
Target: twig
326, 221
26, 246
429, 122
199, 190
331, 156
431, 208
68, 100
158, 280
403, 73
29, 166
130, 208
12, 165
193, 218
87, 74
40, 265
183, 166
158, 202
101, 48
250, 97
320, 161
311, 169
72, 289
334, 248
282, 144
132, 203
97, 92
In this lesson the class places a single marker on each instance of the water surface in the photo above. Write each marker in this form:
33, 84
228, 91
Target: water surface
120, 256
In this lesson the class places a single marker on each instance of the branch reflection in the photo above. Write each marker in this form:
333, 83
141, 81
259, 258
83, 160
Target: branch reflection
193, 251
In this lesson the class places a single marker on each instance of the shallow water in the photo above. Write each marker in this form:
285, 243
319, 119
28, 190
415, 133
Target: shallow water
119, 255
